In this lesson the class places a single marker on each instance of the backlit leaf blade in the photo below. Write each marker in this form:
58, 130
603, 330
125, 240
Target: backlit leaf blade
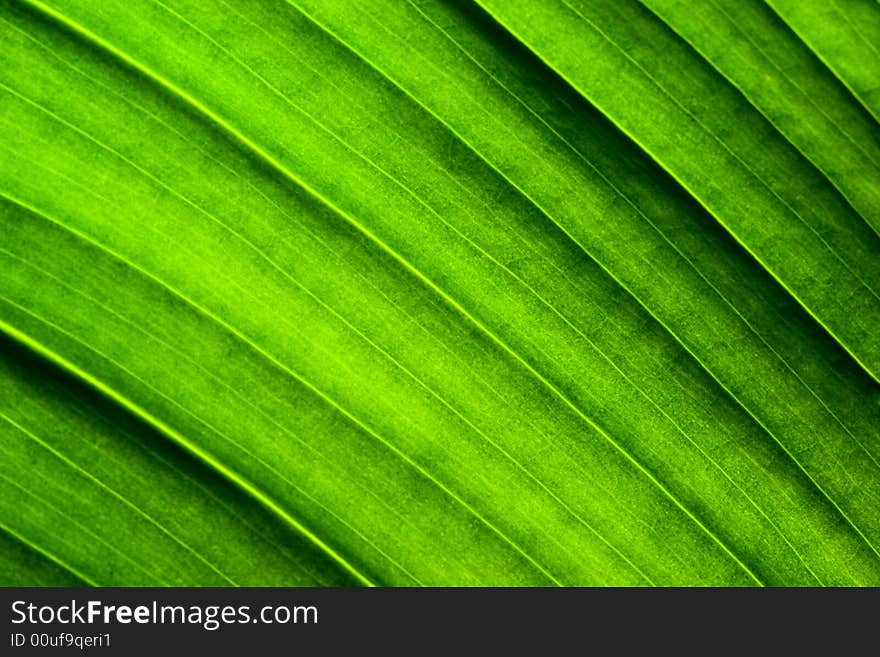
778, 192
844, 35
379, 268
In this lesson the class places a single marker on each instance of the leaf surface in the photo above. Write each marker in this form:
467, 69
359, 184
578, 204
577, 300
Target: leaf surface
424, 293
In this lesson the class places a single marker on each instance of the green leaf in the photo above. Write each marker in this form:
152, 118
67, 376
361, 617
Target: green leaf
438, 293
844, 36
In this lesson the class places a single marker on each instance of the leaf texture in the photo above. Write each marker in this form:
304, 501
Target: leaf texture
372, 292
